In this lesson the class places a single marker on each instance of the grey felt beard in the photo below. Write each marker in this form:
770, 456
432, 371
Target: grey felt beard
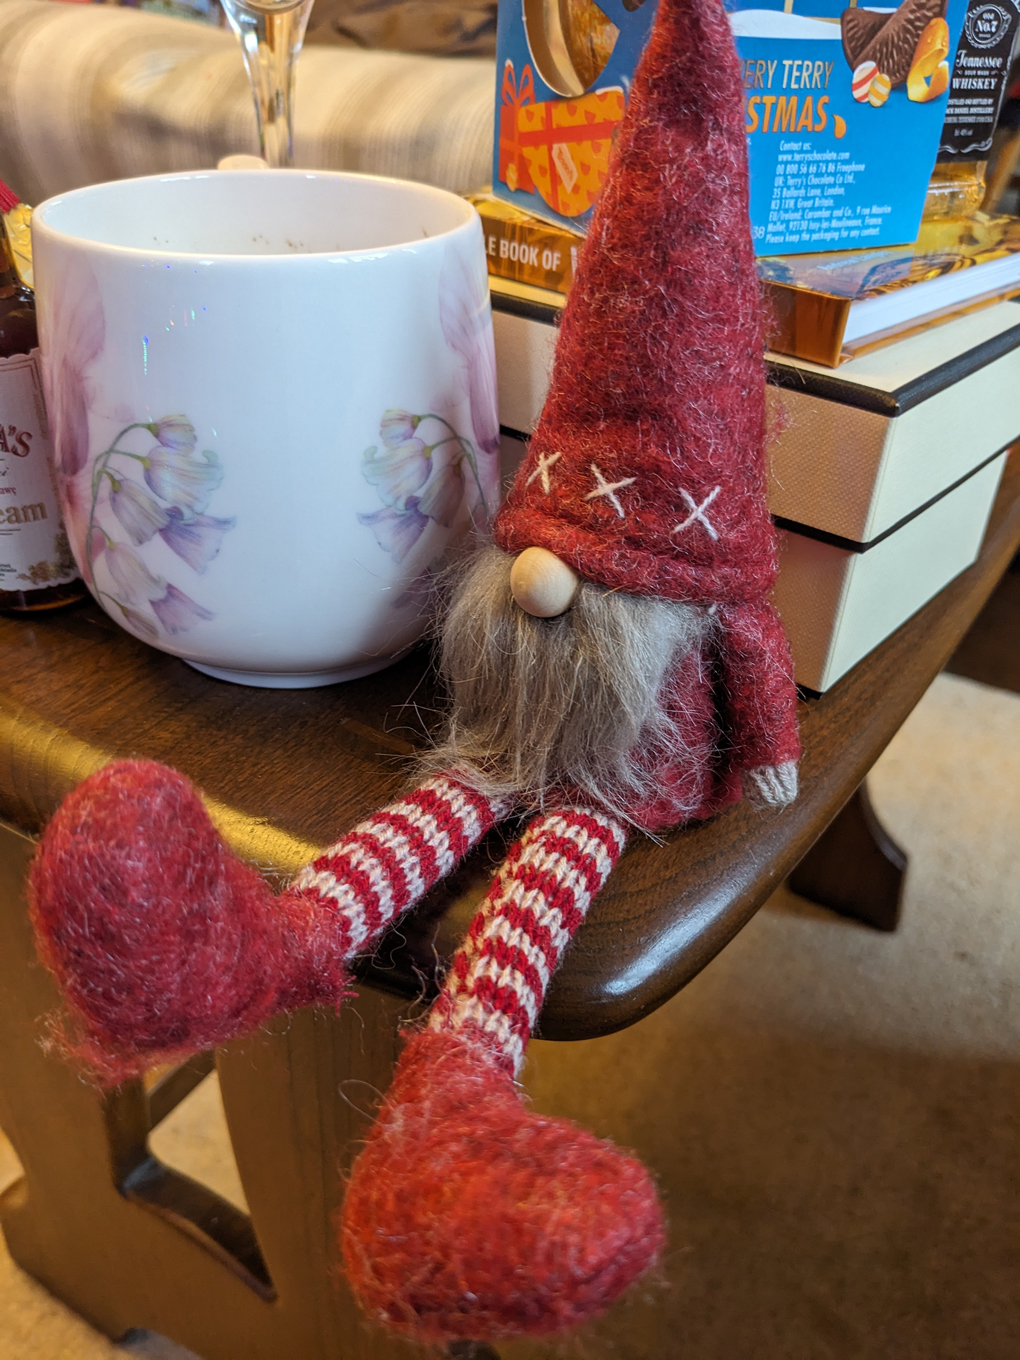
543, 707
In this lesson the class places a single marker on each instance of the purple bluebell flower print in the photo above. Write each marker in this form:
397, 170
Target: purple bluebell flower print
398, 470
140, 515
177, 612
139, 624
442, 498
196, 540
397, 531
419, 482
178, 477
132, 577
396, 427
164, 501
174, 432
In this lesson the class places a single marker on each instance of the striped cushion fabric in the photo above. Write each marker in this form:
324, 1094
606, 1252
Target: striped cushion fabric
97, 92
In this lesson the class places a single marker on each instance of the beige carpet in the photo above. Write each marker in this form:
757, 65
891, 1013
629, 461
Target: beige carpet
833, 1113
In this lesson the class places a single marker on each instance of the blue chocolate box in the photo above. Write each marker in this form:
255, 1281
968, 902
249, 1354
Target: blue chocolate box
844, 110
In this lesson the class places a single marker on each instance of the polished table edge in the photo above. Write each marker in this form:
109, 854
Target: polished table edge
669, 907
40, 764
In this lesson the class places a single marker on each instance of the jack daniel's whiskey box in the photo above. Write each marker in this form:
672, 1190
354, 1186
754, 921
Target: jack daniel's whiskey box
882, 478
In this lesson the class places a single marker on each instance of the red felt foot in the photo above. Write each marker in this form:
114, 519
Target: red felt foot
162, 942
469, 1216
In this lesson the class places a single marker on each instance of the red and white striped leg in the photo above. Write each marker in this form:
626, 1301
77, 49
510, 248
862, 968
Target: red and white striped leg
498, 979
468, 1215
195, 949
390, 861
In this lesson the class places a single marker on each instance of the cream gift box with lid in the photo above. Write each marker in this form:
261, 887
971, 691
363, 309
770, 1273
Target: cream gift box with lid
882, 477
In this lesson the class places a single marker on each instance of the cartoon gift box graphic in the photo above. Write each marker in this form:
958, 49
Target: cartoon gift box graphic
566, 67
565, 144
511, 168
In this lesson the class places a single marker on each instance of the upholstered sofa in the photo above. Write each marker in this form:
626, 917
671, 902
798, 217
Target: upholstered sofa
91, 92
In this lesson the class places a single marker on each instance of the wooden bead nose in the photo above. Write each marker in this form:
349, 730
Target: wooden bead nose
541, 584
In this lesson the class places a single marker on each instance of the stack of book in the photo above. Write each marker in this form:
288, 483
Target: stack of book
862, 124
826, 308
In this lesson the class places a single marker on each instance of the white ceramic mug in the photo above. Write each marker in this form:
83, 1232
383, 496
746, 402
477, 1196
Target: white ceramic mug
272, 403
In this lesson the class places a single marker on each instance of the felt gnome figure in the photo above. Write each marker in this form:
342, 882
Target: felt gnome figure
613, 663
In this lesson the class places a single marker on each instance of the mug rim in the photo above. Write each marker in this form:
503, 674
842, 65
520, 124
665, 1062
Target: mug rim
69, 239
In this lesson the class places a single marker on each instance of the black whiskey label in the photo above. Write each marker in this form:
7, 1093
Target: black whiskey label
978, 82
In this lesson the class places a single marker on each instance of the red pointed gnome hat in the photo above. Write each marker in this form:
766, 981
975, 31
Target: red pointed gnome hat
646, 471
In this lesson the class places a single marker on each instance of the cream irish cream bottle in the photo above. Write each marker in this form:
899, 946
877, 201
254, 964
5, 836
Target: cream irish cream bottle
37, 570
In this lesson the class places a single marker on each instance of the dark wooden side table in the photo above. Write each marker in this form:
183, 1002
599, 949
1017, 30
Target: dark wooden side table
127, 1241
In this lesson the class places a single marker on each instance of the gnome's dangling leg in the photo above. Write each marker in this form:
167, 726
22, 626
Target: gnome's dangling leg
468, 1215
163, 943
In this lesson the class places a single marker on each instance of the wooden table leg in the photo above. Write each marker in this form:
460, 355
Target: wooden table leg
855, 867
127, 1241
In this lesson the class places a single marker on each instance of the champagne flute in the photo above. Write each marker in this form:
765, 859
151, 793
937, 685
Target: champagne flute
271, 33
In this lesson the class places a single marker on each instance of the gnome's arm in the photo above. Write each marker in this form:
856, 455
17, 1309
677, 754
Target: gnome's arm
760, 699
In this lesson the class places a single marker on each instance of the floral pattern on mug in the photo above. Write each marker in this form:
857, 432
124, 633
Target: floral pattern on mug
465, 315
169, 501
420, 478
77, 337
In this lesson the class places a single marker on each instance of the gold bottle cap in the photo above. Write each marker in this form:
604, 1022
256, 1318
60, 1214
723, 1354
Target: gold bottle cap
17, 224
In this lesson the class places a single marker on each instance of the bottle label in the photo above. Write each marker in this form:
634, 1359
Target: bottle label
978, 82
34, 551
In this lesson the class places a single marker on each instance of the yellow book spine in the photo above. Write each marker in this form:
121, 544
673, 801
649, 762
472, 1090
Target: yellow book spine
524, 249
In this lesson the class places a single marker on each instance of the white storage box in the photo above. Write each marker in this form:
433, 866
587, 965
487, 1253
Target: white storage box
838, 602
867, 444
883, 472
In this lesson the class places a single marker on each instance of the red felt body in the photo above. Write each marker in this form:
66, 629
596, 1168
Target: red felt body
733, 701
